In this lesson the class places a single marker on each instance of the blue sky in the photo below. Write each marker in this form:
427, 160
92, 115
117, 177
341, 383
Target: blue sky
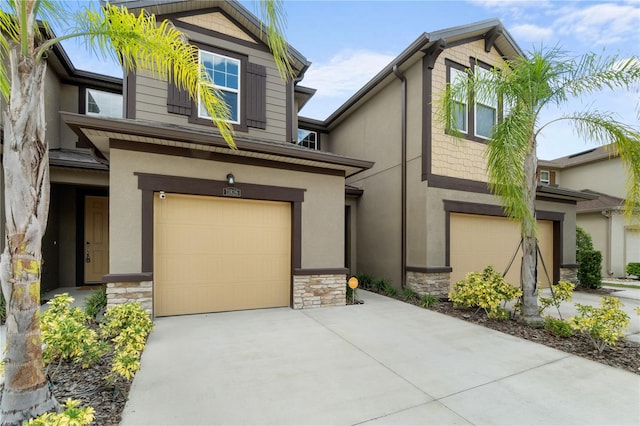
348, 42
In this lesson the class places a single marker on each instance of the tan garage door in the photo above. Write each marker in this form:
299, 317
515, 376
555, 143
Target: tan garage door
478, 241
219, 254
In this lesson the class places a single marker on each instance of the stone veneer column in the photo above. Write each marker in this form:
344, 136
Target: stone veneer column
569, 273
319, 290
435, 283
126, 288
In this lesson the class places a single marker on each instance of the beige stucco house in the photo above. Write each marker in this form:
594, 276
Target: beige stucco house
600, 171
423, 216
147, 197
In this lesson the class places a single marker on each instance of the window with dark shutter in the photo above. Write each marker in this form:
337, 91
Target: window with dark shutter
256, 96
178, 101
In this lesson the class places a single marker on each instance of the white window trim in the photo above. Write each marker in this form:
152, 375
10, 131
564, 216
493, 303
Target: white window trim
548, 179
452, 79
315, 142
109, 94
222, 89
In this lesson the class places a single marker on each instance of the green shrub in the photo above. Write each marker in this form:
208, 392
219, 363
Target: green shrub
428, 300
96, 302
409, 295
486, 290
349, 294
558, 327
127, 325
561, 292
633, 268
71, 416
604, 325
589, 269
388, 289
66, 335
583, 242
365, 281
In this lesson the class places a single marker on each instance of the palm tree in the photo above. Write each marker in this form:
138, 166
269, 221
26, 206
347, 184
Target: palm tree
138, 42
525, 86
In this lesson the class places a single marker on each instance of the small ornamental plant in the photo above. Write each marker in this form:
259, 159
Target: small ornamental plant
66, 336
127, 326
485, 290
561, 292
633, 268
604, 325
558, 327
72, 415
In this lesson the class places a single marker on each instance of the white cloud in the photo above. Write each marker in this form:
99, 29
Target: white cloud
345, 72
514, 9
604, 23
531, 33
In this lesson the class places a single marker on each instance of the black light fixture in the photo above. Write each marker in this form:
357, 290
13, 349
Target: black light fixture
231, 180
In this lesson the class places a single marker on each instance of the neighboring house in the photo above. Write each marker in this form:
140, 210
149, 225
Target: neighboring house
600, 171
423, 216
159, 207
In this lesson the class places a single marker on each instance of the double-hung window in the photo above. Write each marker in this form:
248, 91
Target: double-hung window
486, 108
224, 74
545, 176
475, 114
460, 100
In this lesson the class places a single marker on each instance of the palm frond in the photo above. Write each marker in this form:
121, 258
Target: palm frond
274, 15
506, 152
603, 128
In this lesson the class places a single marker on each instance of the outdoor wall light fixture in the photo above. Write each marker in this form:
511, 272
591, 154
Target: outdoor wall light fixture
231, 180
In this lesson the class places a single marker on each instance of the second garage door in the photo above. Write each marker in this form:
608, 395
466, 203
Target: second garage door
216, 254
478, 241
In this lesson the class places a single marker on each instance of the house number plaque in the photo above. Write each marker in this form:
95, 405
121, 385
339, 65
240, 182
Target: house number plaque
232, 192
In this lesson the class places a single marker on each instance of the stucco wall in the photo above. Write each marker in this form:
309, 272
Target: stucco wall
607, 176
596, 225
322, 209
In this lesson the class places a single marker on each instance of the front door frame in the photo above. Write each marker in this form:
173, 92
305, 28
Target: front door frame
81, 194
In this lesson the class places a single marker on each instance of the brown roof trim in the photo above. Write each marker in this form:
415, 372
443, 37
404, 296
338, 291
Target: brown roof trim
79, 122
128, 278
353, 191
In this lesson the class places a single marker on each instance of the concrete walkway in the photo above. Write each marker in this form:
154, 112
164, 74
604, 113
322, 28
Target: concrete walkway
384, 362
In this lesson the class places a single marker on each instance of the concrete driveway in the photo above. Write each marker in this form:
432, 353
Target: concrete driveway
384, 362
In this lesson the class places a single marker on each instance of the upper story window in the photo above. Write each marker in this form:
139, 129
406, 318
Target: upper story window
486, 110
478, 121
308, 139
545, 176
104, 104
224, 74
462, 110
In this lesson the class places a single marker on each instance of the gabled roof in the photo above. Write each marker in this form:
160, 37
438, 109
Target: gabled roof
232, 7
604, 152
604, 202
491, 30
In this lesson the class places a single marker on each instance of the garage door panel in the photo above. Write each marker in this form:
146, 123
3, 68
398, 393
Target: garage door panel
477, 241
217, 254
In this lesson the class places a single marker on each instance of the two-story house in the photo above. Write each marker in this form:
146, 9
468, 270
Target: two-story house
600, 171
160, 208
423, 216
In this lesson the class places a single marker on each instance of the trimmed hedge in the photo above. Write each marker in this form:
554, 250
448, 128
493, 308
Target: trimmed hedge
590, 269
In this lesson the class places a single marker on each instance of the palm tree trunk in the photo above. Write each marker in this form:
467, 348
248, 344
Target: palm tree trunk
26, 169
529, 313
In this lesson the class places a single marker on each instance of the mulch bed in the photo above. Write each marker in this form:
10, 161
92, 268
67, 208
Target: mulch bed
625, 355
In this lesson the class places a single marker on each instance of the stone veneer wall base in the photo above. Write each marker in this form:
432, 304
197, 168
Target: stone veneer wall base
126, 292
315, 291
435, 283
569, 274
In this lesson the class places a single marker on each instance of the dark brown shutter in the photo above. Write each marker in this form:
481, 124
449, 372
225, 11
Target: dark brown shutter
178, 100
256, 96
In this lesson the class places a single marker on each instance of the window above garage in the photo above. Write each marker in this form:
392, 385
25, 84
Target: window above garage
104, 104
224, 74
